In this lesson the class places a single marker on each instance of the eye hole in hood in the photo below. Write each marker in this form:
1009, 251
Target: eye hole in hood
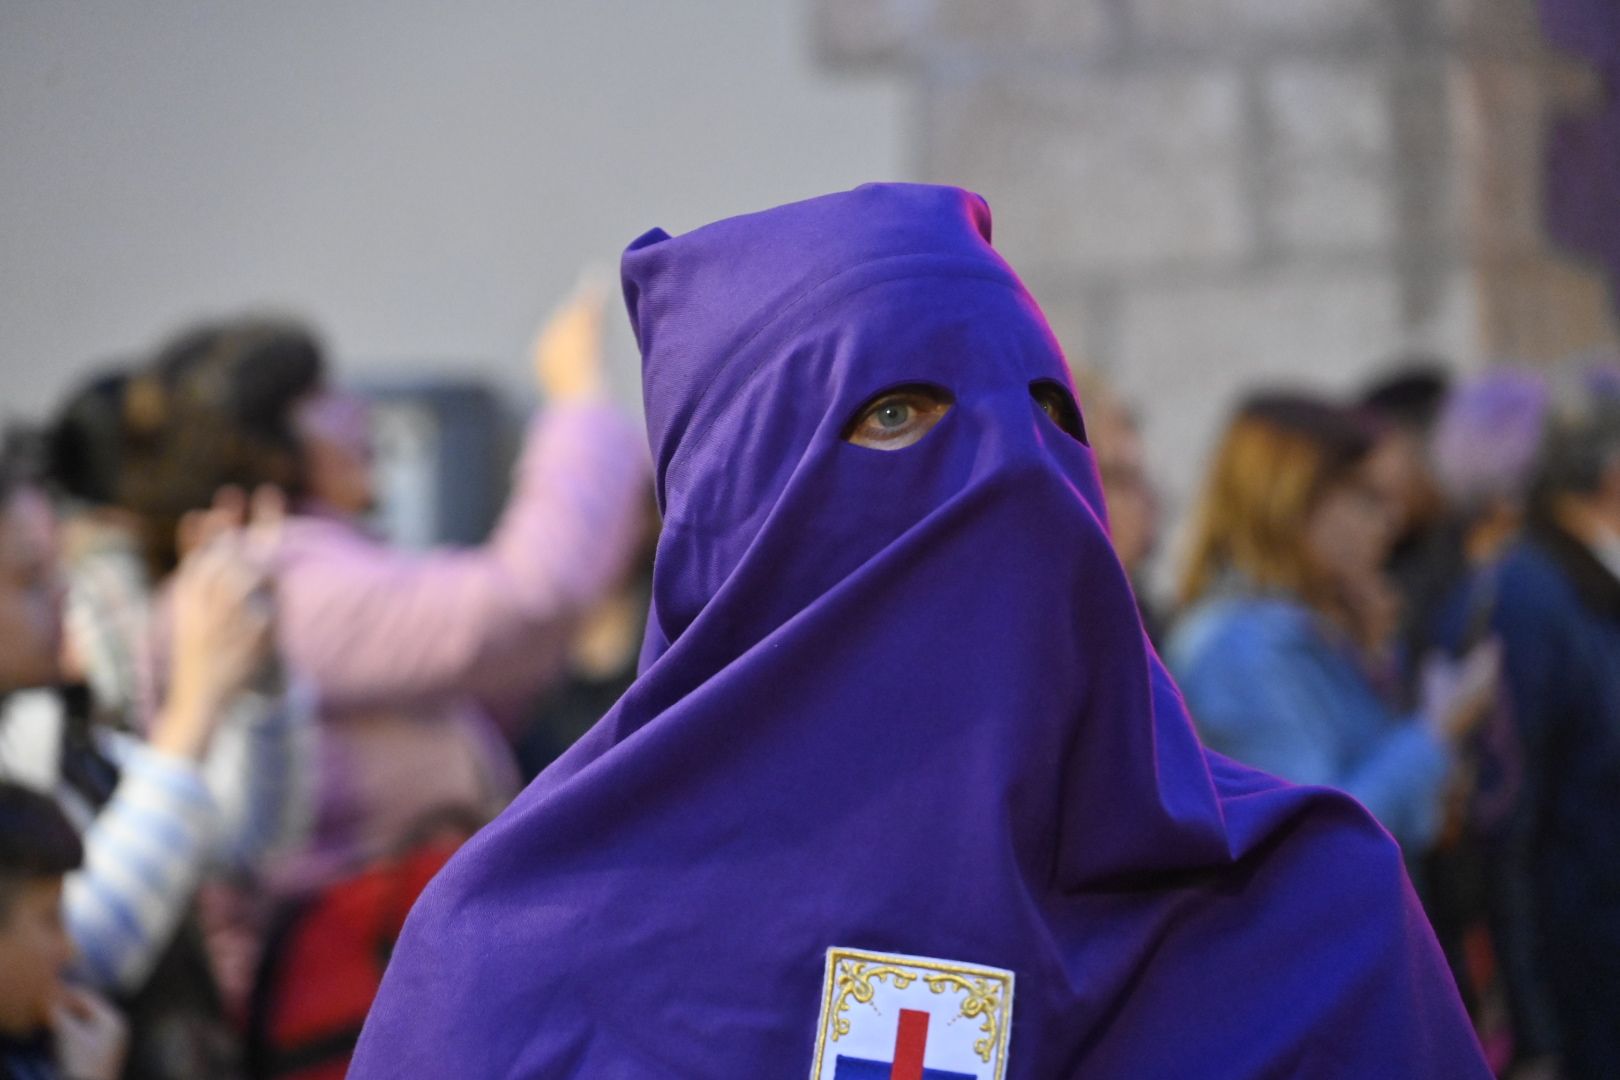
898, 417
1056, 402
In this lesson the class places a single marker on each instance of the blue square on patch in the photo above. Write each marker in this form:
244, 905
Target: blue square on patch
850, 1068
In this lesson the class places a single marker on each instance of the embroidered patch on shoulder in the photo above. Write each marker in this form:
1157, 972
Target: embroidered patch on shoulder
890, 1017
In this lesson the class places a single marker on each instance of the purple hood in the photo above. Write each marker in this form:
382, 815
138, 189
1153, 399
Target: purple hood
898, 701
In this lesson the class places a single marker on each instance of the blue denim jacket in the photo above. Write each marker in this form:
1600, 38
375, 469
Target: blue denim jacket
1267, 685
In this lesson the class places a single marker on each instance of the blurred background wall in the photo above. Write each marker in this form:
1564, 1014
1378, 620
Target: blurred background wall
1202, 193
1209, 193
423, 180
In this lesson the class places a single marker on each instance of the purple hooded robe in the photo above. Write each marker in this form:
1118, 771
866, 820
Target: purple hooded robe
898, 701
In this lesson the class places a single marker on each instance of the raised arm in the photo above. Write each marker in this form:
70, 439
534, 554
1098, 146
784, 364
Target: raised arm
368, 625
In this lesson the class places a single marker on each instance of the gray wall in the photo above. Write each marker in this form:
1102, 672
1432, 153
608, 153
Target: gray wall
422, 180
1207, 195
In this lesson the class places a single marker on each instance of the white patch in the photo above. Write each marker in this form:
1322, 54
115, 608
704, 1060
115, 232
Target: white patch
869, 1017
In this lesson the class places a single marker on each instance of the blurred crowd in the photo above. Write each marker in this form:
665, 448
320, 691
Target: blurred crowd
240, 732
1415, 597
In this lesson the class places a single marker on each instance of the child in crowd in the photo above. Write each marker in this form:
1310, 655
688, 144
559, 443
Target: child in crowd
48, 1028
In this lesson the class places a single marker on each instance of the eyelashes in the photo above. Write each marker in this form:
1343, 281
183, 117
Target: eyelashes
899, 417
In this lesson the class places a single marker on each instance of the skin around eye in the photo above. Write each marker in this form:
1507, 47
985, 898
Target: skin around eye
1057, 403
898, 418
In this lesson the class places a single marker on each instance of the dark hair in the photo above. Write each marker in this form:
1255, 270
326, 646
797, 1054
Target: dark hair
213, 408
21, 460
8, 488
1410, 393
1342, 435
85, 445
36, 840
251, 370
1581, 445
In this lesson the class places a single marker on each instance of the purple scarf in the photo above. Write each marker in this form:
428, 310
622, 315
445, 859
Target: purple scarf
898, 701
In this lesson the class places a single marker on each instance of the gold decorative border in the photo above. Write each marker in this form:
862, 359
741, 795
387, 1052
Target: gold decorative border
850, 973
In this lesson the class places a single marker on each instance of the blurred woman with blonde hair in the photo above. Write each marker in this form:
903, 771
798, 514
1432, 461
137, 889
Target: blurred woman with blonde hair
1285, 607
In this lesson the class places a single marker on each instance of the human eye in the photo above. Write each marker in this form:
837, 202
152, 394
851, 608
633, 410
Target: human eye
898, 418
1056, 402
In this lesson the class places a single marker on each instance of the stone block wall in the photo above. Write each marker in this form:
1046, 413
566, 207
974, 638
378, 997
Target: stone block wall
1209, 194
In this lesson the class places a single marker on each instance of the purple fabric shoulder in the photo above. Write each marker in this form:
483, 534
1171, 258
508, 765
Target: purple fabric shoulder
898, 702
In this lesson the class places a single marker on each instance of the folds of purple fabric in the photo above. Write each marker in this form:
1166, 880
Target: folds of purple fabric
898, 701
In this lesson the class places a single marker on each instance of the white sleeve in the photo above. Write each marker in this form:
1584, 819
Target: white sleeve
260, 771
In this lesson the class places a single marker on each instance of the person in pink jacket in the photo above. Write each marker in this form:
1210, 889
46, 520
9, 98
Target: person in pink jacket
412, 657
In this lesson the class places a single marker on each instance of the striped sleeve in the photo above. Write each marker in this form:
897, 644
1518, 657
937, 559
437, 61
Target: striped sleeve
144, 855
